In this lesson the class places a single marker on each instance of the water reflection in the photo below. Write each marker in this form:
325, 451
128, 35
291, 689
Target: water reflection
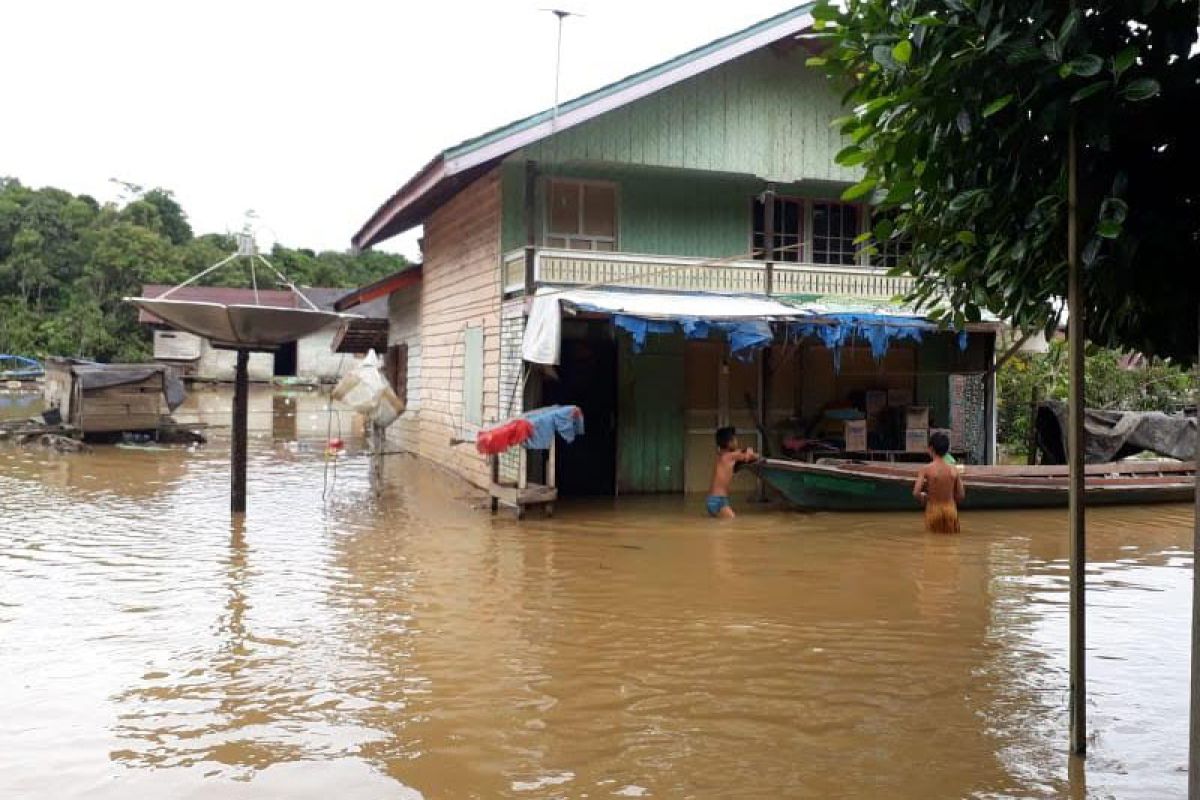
393, 640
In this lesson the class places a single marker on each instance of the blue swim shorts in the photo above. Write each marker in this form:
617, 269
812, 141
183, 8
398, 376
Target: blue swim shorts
714, 504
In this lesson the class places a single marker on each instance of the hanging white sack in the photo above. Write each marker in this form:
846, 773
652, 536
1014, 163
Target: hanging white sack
366, 391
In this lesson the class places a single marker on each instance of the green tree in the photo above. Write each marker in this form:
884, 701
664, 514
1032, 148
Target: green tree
66, 263
959, 113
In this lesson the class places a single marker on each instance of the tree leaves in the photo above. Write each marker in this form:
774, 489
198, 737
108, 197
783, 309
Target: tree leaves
1089, 90
850, 156
1068, 29
903, 51
1141, 89
1124, 59
1086, 66
996, 105
68, 262
860, 189
968, 136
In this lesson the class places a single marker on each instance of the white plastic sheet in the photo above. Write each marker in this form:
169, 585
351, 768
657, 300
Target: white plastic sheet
543, 329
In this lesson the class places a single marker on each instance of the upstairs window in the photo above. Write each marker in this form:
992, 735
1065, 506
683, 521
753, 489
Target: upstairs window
581, 215
789, 230
835, 227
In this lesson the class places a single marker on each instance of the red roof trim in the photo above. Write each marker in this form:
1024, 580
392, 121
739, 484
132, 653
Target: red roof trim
380, 288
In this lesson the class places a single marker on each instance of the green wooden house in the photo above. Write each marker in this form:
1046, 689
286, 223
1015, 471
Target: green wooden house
703, 183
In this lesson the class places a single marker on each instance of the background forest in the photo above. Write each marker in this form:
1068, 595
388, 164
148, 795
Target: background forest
66, 261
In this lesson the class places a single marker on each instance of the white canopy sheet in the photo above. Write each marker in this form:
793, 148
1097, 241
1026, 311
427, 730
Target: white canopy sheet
543, 329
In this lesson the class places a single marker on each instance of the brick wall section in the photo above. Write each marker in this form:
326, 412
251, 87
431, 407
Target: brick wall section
512, 331
461, 288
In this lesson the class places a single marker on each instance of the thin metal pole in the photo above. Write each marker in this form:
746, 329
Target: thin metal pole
1077, 487
1194, 733
558, 58
237, 459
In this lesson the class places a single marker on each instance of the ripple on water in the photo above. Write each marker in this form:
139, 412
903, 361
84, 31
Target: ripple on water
392, 641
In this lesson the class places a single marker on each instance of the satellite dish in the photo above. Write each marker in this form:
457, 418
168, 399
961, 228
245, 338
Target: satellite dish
240, 326
236, 327
244, 328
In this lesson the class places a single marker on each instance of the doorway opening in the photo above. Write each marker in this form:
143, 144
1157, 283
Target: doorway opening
587, 377
285, 360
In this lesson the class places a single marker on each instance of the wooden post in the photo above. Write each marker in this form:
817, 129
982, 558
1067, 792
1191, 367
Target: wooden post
769, 240
1035, 400
530, 214
1194, 732
764, 409
241, 390
1075, 441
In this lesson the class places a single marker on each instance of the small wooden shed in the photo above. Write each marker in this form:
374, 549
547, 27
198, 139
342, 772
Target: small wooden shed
110, 398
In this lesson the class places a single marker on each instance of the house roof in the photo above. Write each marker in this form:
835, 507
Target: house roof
455, 167
375, 294
322, 298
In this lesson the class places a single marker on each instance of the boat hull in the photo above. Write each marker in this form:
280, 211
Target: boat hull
844, 488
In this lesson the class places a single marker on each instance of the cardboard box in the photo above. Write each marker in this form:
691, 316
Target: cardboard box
916, 418
899, 398
916, 440
856, 435
876, 402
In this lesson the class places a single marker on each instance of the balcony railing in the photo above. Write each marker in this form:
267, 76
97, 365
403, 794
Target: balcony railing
666, 273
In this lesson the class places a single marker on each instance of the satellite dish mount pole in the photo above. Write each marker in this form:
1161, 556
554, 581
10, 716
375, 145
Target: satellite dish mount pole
241, 401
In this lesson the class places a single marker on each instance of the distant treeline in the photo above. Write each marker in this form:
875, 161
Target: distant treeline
66, 261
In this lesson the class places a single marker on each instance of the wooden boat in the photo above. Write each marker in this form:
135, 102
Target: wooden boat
864, 486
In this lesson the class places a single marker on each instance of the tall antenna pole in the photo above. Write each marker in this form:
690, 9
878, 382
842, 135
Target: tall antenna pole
562, 15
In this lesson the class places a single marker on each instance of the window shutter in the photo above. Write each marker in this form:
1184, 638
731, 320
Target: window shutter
473, 377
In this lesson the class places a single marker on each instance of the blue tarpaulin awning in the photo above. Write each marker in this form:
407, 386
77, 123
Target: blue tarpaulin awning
749, 323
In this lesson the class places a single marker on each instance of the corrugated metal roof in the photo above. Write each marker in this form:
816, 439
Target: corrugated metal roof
449, 171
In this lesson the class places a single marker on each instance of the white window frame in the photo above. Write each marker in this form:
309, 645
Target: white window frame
591, 239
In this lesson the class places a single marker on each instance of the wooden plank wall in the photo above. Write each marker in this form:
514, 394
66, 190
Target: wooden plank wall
461, 288
404, 327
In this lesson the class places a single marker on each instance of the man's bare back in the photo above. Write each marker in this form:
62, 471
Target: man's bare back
938, 482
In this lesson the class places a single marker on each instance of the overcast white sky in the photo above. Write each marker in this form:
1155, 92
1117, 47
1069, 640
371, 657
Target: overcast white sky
310, 113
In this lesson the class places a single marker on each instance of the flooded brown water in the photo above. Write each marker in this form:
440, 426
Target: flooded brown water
395, 641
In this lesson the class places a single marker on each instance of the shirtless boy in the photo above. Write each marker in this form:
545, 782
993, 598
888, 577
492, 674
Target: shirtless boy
729, 455
939, 488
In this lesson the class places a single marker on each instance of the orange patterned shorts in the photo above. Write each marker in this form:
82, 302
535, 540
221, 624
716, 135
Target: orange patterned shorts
941, 518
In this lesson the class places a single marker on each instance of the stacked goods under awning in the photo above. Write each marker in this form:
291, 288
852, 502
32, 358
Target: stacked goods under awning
804, 375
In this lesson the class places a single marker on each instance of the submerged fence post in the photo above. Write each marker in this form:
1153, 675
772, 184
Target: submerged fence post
1075, 447
237, 459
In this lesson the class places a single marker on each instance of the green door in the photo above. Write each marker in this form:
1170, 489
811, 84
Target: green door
650, 433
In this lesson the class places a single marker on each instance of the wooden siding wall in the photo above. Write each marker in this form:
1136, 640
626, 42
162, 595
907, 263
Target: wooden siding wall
461, 289
661, 212
763, 115
404, 327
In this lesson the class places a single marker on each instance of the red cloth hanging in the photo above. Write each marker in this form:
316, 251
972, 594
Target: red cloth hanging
494, 441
